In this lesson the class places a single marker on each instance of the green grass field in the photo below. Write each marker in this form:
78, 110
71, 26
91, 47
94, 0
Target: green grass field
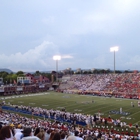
82, 104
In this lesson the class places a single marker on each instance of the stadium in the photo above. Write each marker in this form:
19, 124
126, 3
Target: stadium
105, 102
70, 70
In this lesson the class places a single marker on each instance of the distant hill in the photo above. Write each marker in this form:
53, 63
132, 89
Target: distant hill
6, 70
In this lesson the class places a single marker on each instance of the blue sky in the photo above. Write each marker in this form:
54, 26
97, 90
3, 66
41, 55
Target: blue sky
82, 32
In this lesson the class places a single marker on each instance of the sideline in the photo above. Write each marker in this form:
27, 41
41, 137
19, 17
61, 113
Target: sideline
20, 96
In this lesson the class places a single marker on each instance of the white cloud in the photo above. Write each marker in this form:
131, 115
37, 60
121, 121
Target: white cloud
39, 58
33, 59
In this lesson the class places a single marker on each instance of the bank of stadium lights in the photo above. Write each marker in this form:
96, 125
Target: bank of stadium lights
57, 58
114, 49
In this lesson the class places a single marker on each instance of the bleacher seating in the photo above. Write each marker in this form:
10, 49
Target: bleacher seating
121, 84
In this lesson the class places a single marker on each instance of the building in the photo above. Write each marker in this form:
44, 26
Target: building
37, 79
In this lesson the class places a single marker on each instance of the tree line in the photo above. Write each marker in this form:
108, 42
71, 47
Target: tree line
9, 78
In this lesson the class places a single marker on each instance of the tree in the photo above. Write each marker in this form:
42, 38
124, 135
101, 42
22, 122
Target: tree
89, 72
126, 71
14, 77
102, 71
84, 72
72, 72
20, 73
94, 71
118, 71
3, 74
37, 73
107, 71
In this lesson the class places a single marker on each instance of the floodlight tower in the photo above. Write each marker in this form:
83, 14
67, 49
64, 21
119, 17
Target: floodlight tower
57, 58
114, 49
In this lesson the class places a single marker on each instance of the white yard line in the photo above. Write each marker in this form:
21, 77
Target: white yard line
20, 96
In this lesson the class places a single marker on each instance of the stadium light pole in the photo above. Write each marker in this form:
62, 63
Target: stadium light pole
114, 49
57, 58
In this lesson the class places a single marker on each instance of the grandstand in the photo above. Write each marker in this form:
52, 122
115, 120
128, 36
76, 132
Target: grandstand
66, 83
124, 85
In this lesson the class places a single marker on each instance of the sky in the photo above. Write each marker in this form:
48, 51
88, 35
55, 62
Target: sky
80, 31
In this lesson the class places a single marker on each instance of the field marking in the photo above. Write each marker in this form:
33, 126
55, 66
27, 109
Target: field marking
132, 115
100, 101
32, 103
82, 105
111, 98
136, 122
45, 105
121, 114
20, 96
20, 102
116, 103
105, 98
125, 110
100, 108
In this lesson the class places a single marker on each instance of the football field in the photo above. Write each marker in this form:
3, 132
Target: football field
85, 104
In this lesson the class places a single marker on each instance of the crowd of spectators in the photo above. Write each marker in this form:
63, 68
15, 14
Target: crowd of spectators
118, 85
17, 127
